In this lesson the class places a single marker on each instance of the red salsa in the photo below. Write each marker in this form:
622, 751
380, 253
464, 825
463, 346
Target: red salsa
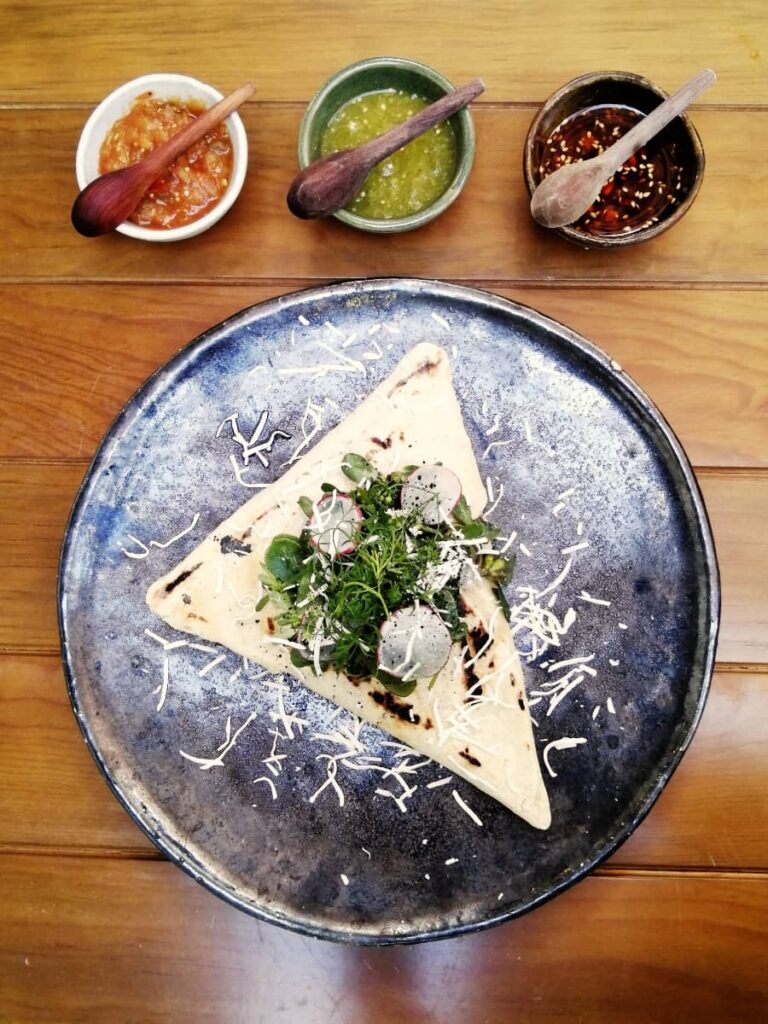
194, 183
641, 193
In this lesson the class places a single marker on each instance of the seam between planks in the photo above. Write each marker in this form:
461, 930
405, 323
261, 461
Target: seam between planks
741, 668
705, 472
753, 873
24, 106
292, 284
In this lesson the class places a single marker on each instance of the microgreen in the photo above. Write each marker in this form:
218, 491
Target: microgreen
398, 559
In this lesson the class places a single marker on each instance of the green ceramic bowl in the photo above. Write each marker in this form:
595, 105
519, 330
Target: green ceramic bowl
387, 73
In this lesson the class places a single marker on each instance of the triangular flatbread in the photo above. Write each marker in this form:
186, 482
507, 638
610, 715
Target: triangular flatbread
484, 736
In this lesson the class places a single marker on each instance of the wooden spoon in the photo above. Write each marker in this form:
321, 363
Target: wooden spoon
112, 198
567, 193
329, 183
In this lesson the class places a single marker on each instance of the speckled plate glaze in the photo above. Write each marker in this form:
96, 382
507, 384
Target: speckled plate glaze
581, 444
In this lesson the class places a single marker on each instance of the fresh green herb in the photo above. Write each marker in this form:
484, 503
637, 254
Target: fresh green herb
357, 468
305, 504
461, 512
335, 606
283, 558
400, 687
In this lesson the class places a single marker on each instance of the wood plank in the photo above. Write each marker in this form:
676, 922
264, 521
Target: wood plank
53, 356
79, 933
35, 500
522, 51
738, 511
53, 793
712, 813
488, 234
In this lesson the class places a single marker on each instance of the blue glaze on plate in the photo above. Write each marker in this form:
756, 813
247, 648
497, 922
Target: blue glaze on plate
570, 419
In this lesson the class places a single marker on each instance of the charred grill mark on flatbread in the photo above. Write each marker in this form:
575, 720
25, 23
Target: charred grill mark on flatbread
477, 638
169, 587
471, 679
426, 367
396, 707
194, 615
271, 626
186, 599
386, 443
469, 757
521, 703
258, 519
230, 546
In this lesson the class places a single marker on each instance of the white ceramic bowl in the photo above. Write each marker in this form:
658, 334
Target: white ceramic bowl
117, 104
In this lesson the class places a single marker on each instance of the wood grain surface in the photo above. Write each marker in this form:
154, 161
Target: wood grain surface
486, 235
94, 925
522, 50
99, 939
53, 356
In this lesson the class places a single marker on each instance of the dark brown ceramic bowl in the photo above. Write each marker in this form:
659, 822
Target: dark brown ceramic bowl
624, 88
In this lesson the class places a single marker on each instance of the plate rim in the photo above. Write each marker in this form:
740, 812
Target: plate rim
710, 592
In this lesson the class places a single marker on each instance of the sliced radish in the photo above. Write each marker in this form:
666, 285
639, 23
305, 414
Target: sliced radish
415, 643
434, 490
335, 524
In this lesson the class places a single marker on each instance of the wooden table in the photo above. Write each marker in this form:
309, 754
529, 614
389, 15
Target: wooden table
94, 924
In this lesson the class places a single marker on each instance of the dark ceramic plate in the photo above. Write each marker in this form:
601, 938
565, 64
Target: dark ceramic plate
586, 462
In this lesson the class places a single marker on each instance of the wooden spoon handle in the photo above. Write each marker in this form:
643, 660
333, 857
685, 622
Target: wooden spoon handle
384, 145
659, 118
160, 158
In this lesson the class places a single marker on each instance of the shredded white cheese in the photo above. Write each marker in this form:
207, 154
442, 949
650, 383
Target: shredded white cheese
159, 543
575, 547
584, 596
270, 783
496, 444
466, 808
439, 782
206, 763
566, 743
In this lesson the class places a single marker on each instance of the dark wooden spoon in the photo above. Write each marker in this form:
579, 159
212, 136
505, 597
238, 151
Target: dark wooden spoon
329, 183
112, 198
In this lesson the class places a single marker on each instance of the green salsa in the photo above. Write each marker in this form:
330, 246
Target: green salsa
413, 177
